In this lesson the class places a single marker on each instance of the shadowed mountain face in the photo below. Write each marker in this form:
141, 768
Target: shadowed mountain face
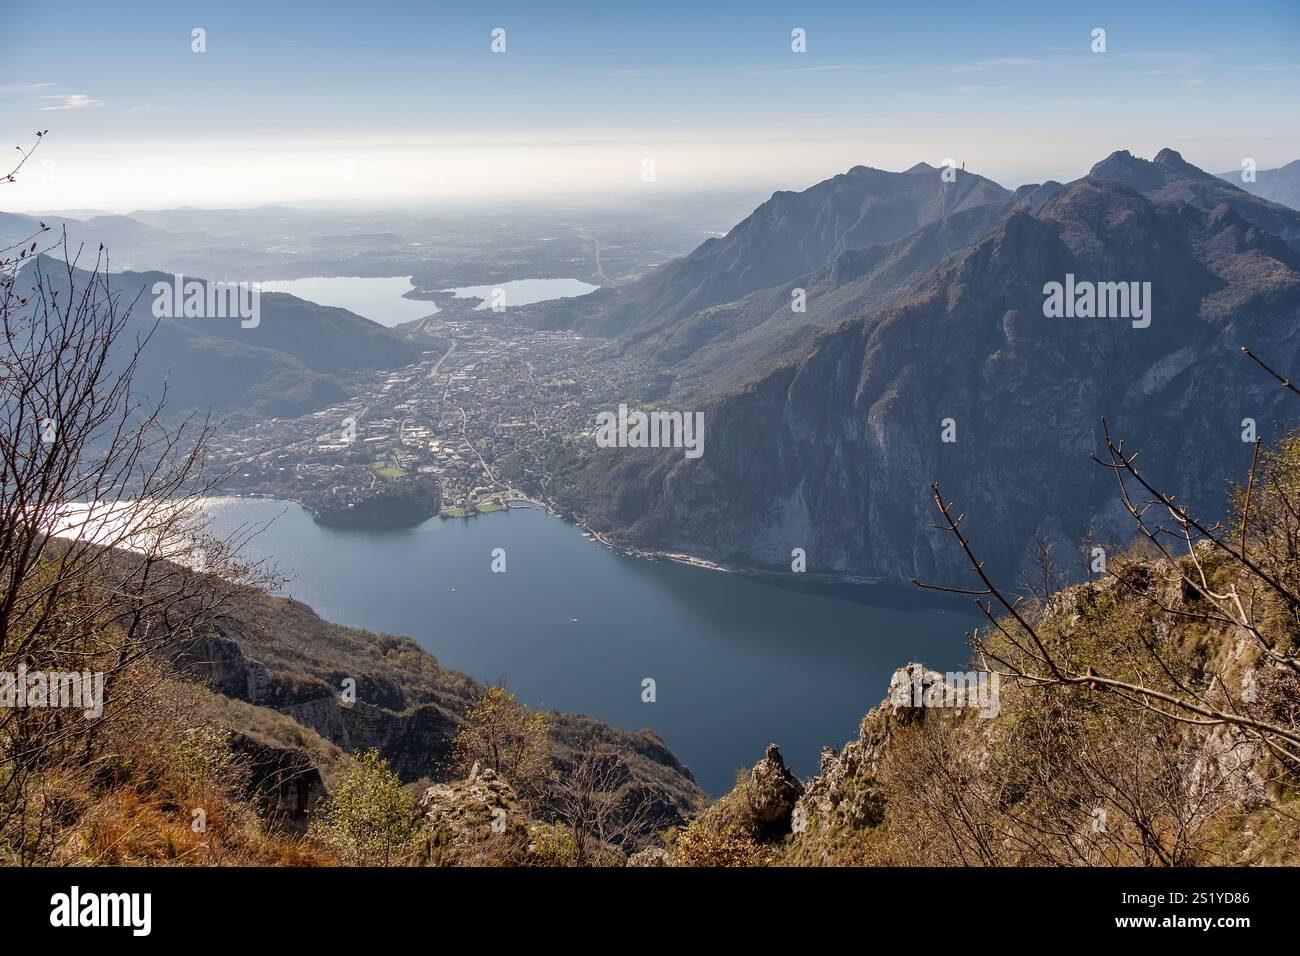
789, 235
715, 351
833, 451
293, 361
1276, 185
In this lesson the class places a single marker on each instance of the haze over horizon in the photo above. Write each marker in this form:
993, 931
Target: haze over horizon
282, 108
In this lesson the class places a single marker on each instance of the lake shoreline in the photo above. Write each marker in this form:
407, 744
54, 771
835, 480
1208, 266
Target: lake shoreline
860, 589
856, 588
395, 300
579, 629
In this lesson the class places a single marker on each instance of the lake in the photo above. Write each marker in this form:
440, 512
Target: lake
525, 291
377, 299
382, 299
575, 627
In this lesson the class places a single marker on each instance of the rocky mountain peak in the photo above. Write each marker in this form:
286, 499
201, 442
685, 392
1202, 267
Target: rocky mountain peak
1123, 167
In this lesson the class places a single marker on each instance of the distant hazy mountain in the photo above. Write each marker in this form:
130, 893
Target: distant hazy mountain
292, 362
129, 242
789, 235
111, 230
220, 222
1279, 185
832, 450
16, 227
71, 213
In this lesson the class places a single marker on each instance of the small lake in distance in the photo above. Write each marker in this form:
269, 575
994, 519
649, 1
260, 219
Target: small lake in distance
525, 291
382, 299
377, 299
575, 627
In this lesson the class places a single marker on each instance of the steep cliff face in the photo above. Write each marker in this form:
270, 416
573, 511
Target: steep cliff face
833, 451
279, 655
284, 782
414, 739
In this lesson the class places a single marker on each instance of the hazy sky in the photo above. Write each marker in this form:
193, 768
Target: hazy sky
392, 102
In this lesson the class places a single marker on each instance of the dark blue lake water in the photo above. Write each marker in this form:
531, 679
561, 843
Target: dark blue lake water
575, 627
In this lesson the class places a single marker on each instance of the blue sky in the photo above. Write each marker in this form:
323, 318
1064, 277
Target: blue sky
379, 100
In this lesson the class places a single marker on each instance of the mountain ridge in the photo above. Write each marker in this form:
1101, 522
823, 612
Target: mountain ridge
789, 234
295, 360
1281, 185
833, 448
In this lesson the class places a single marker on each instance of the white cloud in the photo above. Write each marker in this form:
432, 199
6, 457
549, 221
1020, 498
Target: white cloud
77, 101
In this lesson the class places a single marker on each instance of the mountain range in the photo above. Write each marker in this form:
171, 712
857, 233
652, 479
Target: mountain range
1280, 185
853, 342
825, 428
296, 359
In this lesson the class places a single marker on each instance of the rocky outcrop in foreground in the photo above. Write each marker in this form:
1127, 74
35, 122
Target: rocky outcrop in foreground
1047, 774
466, 816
